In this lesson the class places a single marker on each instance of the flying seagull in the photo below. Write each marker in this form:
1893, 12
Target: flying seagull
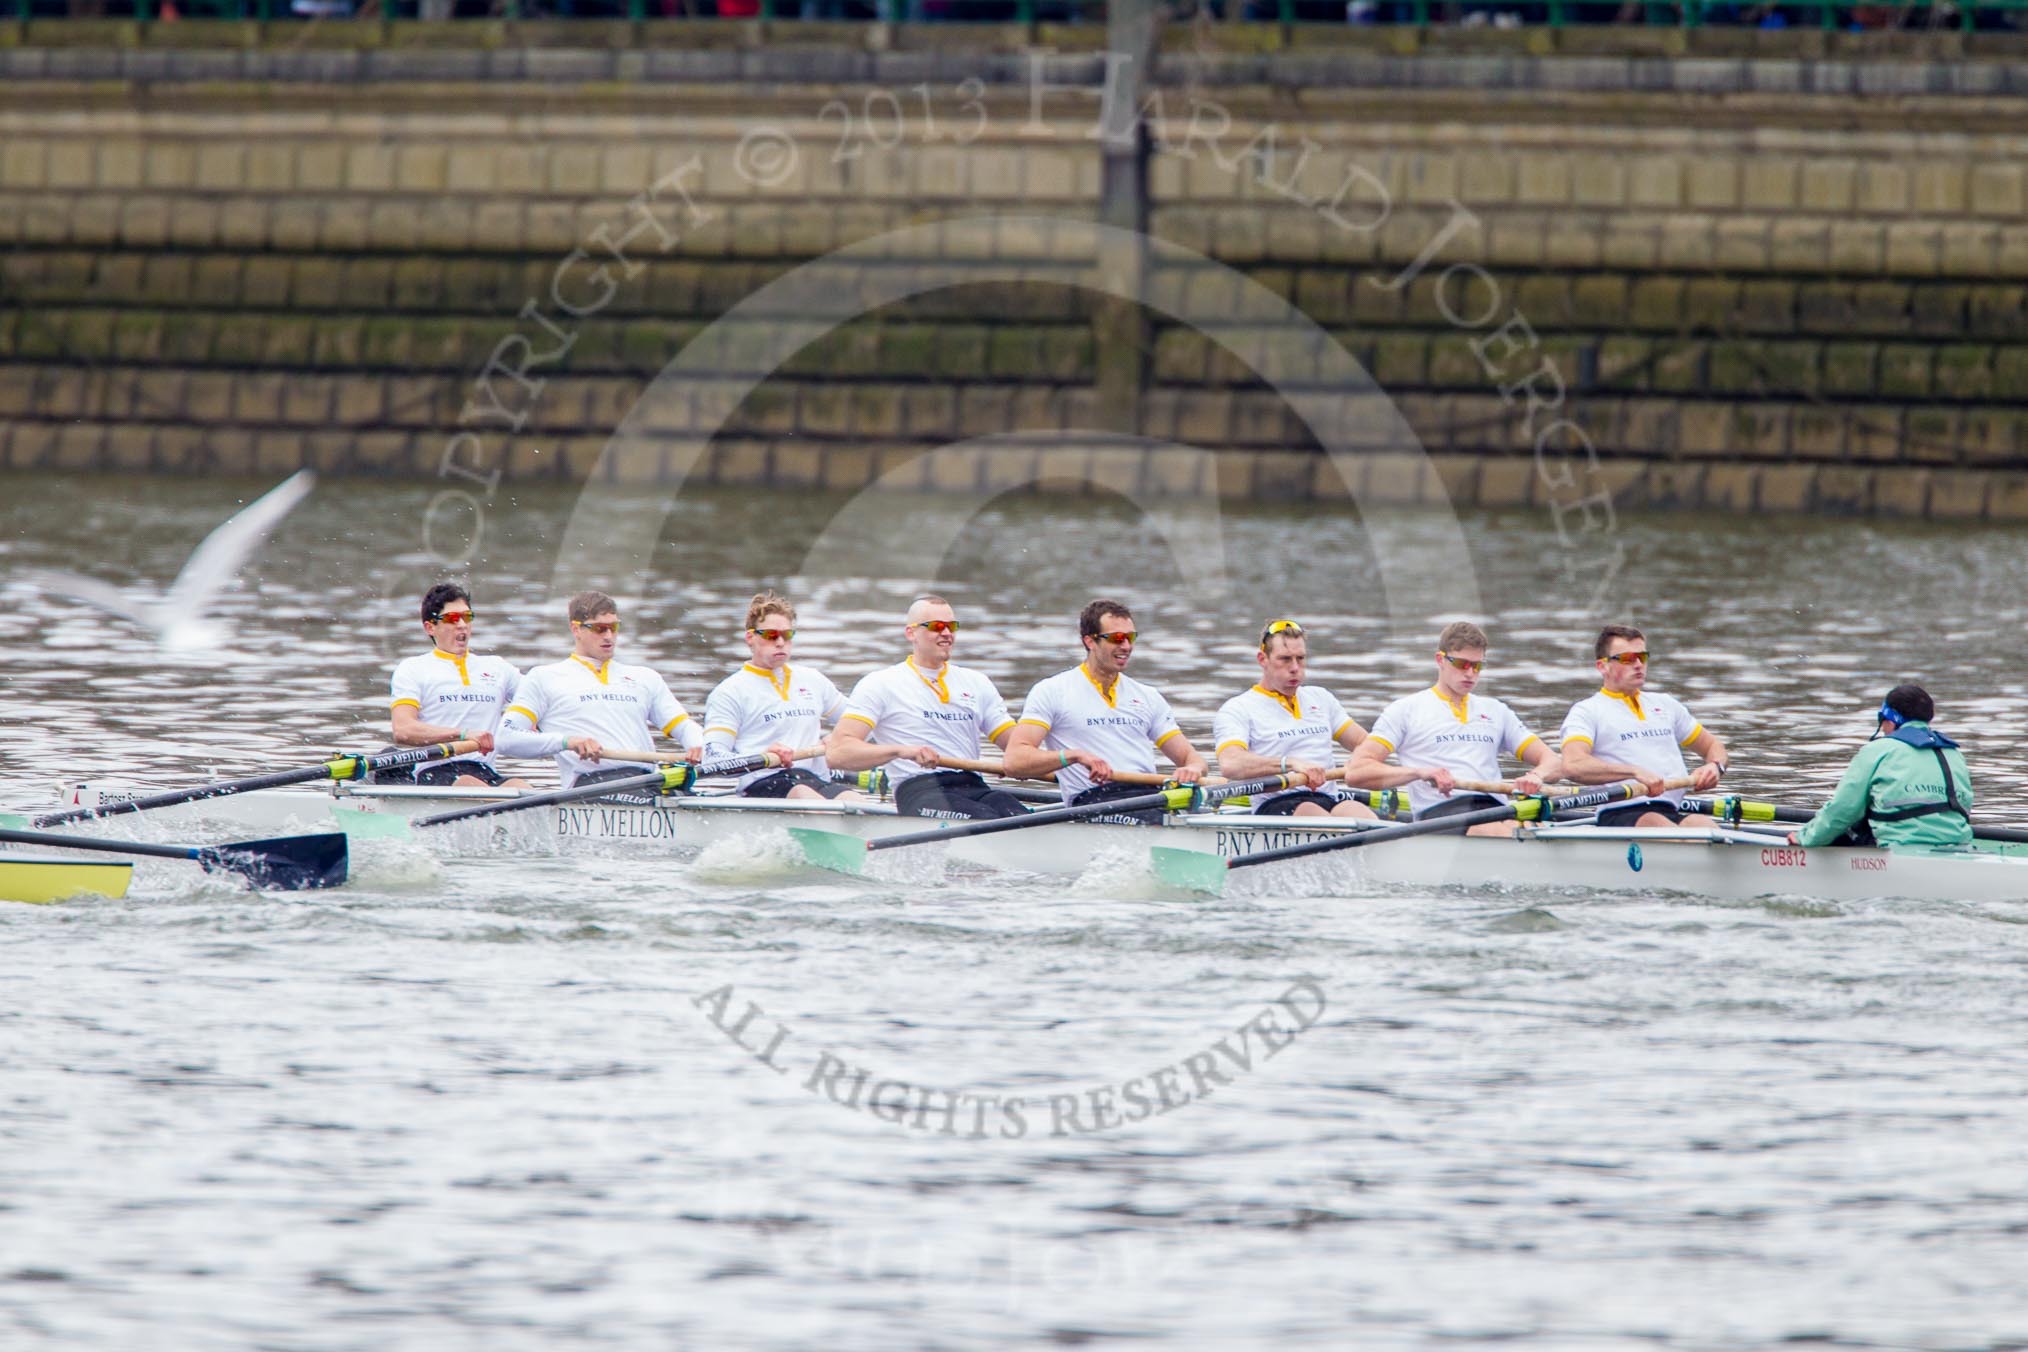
177, 620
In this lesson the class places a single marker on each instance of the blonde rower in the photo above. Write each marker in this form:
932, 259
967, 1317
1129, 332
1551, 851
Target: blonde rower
768, 705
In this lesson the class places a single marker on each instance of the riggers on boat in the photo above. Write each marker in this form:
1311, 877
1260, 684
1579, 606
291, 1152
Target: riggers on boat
1716, 862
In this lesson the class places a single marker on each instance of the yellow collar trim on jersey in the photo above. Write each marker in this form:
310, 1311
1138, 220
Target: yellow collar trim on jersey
463, 676
1108, 693
599, 671
1458, 708
1632, 701
781, 686
1293, 703
935, 682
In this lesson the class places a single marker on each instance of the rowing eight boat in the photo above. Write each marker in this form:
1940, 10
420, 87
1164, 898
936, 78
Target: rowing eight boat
1713, 862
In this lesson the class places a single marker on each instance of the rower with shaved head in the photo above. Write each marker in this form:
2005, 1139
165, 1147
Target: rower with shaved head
906, 716
1084, 724
1626, 731
1450, 732
1282, 726
588, 704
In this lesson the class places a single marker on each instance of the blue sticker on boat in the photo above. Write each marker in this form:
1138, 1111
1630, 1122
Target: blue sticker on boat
1634, 858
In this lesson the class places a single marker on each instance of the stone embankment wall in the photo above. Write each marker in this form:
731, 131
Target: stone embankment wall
1747, 279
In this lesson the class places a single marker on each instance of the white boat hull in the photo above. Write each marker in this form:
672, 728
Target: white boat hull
1706, 862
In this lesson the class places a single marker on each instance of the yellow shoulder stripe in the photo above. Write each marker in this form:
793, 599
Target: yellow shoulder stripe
1524, 745
1576, 737
1695, 733
861, 717
528, 714
1376, 737
1230, 741
997, 731
414, 704
1034, 723
1173, 732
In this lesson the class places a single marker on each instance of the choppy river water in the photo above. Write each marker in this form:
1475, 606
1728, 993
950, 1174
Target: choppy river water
488, 1105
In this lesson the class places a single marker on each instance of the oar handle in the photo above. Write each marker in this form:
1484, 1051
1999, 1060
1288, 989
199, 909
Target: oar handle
764, 759
985, 767
1522, 808
1551, 790
340, 767
1178, 799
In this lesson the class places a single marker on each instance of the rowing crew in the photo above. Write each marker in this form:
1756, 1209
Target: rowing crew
1086, 725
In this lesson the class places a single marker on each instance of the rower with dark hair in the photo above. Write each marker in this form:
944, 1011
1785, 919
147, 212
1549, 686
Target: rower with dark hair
1083, 724
1626, 731
1450, 732
1908, 786
588, 704
451, 694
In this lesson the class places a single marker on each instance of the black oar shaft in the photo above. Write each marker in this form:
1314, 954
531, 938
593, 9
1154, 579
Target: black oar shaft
1430, 826
146, 851
669, 777
341, 767
1176, 799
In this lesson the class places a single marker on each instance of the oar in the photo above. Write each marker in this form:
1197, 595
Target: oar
843, 853
667, 779
344, 767
286, 864
1730, 809
1203, 872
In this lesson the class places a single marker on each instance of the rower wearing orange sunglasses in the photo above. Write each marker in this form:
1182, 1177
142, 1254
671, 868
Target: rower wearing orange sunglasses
905, 717
1627, 731
1083, 724
768, 705
588, 704
1447, 733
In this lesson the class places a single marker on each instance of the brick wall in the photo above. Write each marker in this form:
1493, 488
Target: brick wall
1782, 301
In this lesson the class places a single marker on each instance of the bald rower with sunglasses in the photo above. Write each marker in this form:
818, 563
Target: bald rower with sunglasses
1627, 731
905, 717
1447, 733
1282, 726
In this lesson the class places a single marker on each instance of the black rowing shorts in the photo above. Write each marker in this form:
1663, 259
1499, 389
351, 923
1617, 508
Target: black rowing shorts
1459, 803
1630, 814
446, 773
1104, 793
778, 784
1283, 804
633, 797
954, 795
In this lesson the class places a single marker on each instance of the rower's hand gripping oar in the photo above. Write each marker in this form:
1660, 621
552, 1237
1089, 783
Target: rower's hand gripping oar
668, 779
1200, 871
843, 853
285, 864
342, 767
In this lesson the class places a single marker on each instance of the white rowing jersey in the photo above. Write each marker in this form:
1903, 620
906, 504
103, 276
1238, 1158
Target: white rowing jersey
469, 693
1304, 728
754, 708
1467, 738
1649, 729
619, 706
953, 711
1121, 726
